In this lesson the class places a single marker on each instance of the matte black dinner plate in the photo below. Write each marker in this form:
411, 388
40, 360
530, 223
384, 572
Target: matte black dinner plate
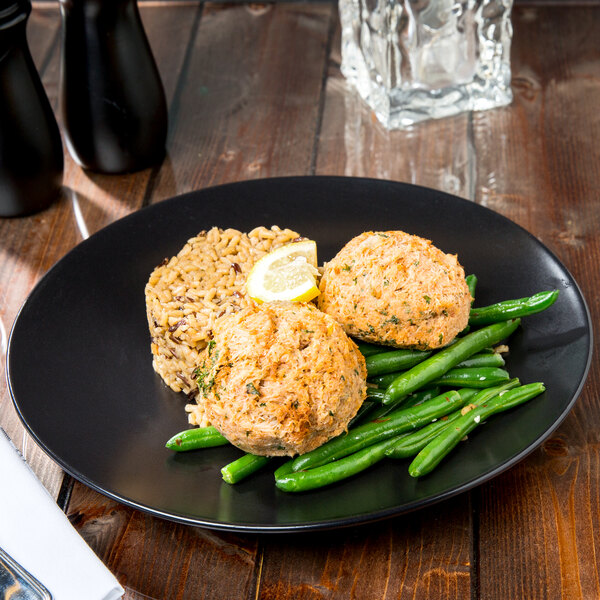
80, 373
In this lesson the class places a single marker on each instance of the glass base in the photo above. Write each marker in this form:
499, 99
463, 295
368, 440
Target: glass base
445, 58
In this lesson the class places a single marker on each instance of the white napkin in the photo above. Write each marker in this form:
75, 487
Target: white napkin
38, 535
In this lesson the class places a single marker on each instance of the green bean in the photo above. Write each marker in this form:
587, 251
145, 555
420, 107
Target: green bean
412, 443
509, 309
199, 437
284, 469
380, 410
243, 467
365, 409
481, 359
395, 360
458, 376
440, 446
468, 381
467, 393
302, 481
421, 396
472, 284
367, 349
476, 377
441, 362
375, 394
384, 381
417, 398
397, 422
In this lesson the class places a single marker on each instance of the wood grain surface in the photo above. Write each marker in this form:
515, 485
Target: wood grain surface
255, 90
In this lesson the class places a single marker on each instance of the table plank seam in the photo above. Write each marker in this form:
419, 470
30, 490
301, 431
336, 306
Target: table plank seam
323, 92
258, 569
64, 494
474, 504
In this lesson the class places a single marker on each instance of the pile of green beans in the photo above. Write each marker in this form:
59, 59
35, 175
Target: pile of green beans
419, 404
430, 444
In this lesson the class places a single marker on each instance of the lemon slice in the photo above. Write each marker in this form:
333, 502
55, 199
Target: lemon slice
287, 273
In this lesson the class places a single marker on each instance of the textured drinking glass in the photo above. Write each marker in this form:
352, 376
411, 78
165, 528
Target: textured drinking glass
412, 60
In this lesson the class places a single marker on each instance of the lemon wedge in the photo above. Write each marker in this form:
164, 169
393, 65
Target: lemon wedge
287, 273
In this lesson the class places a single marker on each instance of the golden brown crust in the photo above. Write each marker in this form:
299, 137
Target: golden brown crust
281, 378
397, 289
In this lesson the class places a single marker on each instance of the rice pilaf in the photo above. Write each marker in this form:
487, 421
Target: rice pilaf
188, 292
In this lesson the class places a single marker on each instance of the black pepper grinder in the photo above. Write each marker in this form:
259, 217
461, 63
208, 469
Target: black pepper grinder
113, 103
31, 153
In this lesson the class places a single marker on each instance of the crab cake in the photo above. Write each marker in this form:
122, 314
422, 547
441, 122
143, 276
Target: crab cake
396, 289
280, 378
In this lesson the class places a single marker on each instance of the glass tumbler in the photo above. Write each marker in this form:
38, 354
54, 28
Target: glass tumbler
413, 60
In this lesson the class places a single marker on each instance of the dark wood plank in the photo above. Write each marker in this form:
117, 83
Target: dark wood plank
398, 558
539, 521
157, 559
249, 108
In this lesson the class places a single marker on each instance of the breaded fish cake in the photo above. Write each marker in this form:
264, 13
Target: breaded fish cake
281, 378
396, 289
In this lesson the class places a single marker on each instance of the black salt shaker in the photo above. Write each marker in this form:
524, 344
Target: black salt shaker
113, 103
31, 153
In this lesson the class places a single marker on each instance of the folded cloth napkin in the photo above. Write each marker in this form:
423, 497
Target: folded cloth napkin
39, 537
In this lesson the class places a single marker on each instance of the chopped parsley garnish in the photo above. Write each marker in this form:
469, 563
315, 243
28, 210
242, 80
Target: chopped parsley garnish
394, 320
203, 379
251, 389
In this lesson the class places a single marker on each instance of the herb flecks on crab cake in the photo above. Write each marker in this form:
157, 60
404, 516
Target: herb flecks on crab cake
396, 289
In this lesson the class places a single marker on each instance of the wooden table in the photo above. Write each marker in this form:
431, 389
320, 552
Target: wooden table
256, 91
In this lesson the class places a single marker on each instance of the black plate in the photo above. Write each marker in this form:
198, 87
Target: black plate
80, 373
